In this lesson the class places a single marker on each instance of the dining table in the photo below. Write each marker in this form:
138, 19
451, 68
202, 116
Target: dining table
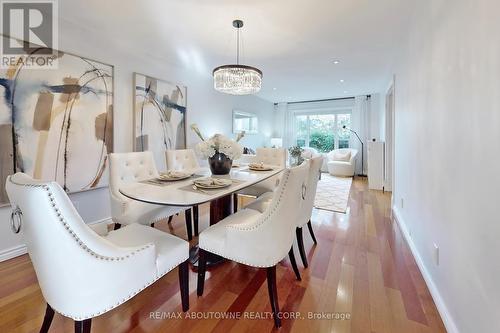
185, 193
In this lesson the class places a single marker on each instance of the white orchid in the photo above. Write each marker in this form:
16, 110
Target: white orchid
240, 136
195, 129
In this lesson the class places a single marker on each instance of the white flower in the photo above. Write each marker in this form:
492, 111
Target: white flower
205, 149
219, 144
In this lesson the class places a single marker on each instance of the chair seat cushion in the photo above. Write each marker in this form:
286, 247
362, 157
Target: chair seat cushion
261, 203
170, 250
145, 213
213, 238
339, 163
255, 190
344, 156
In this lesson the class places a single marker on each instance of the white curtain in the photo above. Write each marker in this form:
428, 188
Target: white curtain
289, 125
360, 120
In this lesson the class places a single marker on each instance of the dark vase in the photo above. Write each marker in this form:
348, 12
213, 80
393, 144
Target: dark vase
220, 164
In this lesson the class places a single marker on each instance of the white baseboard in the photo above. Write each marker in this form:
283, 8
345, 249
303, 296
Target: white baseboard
106, 220
12, 252
448, 321
16, 251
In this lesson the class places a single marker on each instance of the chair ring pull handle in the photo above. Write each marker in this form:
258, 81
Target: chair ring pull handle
16, 220
304, 190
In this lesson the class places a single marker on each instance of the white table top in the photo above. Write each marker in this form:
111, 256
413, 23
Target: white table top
171, 194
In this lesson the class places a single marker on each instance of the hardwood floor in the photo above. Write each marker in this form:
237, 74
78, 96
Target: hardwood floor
361, 271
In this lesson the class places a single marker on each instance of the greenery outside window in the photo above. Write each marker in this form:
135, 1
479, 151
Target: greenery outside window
322, 131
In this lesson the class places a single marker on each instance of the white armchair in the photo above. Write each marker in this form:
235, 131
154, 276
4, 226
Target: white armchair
81, 274
270, 156
184, 160
134, 167
342, 162
259, 239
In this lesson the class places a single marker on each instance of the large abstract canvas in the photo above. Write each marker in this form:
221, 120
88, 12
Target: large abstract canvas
159, 116
56, 124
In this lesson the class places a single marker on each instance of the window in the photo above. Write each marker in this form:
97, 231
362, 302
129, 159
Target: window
322, 131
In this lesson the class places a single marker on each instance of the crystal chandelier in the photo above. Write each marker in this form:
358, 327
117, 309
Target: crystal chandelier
237, 79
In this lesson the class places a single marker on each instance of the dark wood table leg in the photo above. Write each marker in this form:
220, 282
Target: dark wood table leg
219, 209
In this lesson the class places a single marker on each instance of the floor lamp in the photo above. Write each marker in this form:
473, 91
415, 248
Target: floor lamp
362, 152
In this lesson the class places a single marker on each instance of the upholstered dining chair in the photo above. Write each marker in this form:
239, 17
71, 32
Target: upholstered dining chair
81, 274
307, 208
304, 216
259, 239
135, 167
184, 160
269, 156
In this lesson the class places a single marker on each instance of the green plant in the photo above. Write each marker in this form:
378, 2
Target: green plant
296, 153
323, 142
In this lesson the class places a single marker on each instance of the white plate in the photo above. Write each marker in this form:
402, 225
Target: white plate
211, 182
174, 175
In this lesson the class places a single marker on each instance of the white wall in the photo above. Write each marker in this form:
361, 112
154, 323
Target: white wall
447, 155
211, 110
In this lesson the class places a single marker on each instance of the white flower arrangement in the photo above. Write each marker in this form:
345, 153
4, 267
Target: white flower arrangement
218, 144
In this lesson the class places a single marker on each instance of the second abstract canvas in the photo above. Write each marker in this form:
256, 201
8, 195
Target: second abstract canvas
159, 116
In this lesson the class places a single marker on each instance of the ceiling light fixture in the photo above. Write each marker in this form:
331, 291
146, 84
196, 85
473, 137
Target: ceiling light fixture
237, 79
336, 62
341, 81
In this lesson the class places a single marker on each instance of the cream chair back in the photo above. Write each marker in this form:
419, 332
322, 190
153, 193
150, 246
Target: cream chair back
312, 184
128, 168
74, 266
272, 156
182, 159
270, 237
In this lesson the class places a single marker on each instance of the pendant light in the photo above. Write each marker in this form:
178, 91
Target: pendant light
237, 79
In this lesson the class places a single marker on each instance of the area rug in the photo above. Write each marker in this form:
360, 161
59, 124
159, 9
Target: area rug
333, 193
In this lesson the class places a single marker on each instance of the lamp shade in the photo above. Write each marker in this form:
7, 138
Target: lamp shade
276, 142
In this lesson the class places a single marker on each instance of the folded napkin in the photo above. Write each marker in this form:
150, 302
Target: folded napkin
175, 174
257, 165
213, 181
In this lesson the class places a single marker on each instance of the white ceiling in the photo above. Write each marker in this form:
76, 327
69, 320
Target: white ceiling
294, 42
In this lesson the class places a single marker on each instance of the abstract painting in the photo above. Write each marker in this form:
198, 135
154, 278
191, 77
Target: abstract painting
159, 116
57, 124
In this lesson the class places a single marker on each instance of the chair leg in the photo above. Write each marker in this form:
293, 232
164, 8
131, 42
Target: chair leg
273, 294
47, 320
189, 227
310, 227
170, 218
195, 219
117, 226
83, 326
152, 225
202, 266
300, 243
291, 255
184, 285
235, 202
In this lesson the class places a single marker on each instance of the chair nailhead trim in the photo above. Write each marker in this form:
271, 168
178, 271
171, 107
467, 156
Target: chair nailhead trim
66, 225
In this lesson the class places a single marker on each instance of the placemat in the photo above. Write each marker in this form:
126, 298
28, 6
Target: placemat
190, 188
